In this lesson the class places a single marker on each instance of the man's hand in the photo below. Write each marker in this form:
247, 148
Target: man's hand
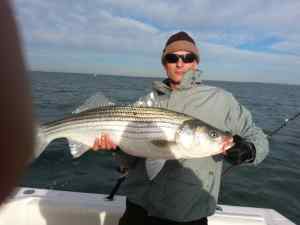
104, 143
242, 152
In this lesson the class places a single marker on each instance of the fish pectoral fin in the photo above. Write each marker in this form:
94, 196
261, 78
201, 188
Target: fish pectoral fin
163, 143
77, 148
154, 166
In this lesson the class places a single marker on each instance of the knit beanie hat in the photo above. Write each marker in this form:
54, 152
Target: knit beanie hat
180, 41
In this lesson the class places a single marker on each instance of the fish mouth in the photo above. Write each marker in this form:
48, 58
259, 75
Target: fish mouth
227, 143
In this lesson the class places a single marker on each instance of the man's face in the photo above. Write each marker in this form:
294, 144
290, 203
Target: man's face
176, 70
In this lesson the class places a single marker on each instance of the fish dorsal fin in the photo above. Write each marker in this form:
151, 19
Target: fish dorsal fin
77, 148
95, 101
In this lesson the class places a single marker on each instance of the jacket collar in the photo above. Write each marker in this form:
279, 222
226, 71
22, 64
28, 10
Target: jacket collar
189, 80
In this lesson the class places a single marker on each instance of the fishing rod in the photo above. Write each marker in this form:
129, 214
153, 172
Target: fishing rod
269, 134
286, 121
120, 180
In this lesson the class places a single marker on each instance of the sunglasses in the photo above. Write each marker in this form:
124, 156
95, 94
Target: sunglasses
173, 58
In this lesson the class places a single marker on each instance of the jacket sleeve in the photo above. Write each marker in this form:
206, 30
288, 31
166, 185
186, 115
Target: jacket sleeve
239, 121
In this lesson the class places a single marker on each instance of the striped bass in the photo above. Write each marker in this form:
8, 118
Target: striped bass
149, 132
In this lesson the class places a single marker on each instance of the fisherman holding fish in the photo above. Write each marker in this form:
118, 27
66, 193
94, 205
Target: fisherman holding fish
185, 191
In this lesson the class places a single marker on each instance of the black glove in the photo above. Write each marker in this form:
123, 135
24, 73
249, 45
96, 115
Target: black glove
242, 152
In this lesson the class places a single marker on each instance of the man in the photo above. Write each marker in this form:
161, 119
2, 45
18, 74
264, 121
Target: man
186, 191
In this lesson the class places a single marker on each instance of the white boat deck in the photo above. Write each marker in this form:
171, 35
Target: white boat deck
29, 206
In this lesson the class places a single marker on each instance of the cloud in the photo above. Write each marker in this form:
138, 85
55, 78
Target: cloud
227, 63
80, 28
236, 35
290, 45
228, 22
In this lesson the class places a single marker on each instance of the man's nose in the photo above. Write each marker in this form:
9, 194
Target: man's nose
179, 63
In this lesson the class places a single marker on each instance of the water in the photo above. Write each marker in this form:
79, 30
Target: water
275, 183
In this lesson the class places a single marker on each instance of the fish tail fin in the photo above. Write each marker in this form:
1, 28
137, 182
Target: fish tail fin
41, 142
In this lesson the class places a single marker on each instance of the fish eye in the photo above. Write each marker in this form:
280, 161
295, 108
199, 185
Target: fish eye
213, 134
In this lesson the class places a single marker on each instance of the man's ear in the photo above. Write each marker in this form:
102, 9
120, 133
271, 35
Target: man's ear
165, 67
195, 65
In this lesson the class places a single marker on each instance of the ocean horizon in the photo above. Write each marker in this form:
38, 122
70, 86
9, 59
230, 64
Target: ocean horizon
153, 77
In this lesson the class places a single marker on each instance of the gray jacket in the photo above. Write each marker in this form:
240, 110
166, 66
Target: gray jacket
186, 190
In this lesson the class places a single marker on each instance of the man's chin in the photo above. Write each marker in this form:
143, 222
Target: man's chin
175, 82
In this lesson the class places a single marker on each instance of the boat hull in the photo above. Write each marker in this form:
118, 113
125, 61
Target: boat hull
30, 206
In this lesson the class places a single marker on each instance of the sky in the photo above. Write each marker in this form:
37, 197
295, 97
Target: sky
249, 40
